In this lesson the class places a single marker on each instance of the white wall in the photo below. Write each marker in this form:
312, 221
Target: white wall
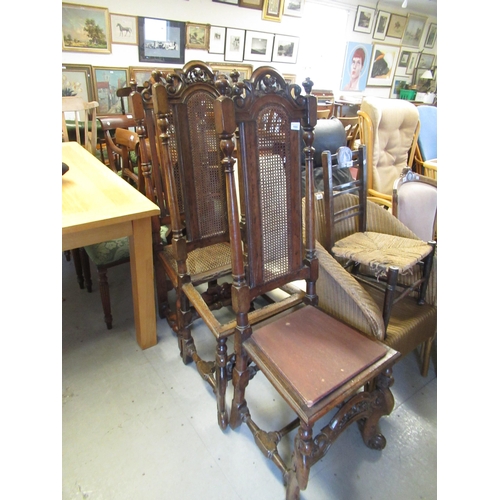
324, 29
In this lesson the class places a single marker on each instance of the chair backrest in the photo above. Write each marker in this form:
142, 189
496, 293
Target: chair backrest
388, 128
268, 248
336, 211
74, 108
427, 138
186, 102
351, 126
415, 203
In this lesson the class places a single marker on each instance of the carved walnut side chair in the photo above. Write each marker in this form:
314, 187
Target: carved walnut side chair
316, 363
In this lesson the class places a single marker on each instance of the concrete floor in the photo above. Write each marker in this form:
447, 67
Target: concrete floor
142, 425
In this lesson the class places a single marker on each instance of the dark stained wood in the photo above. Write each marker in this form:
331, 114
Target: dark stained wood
270, 248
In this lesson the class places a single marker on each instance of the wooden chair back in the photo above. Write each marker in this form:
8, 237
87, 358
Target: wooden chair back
84, 114
268, 249
194, 178
336, 212
351, 125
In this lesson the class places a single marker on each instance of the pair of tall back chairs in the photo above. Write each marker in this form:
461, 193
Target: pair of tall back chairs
248, 229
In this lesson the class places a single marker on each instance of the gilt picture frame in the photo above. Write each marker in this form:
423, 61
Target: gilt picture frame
251, 4
85, 29
272, 10
197, 36
245, 70
77, 80
414, 30
397, 25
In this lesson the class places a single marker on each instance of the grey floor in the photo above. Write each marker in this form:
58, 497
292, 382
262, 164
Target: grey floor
142, 425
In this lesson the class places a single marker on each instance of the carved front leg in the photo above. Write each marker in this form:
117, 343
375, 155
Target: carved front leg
186, 343
221, 382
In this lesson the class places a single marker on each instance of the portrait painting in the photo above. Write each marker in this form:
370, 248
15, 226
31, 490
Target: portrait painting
356, 64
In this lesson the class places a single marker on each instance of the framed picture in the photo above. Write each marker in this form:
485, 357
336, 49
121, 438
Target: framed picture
418, 80
414, 30
412, 63
289, 78
272, 10
356, 65
142, 74
398, 80
397, 25
230, 2
85, 29
217, 40
404, 59
235, 43
161, 41
426, 61
197, 36
293, 8
251, 4
245, 70
77, 80
430, 39
381, 25
383, 65
258, 46
365, 17
123, 29
286, 49
106, 82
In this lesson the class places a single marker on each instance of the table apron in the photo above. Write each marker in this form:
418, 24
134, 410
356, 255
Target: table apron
96, 235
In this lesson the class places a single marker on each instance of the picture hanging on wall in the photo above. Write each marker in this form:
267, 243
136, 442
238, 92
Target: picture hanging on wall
397, 25
414, 30
404, 58
286, 49
398, 81
365, 17
123, 29
383, 65
381, 25
107, 81
235, 43
426, 61
293, 8
161, 41
356, 64
217, 40
245, 70
197, 36
77, 80
272, 10
85, 29
430, 39
412, 63
251, 4
258, 46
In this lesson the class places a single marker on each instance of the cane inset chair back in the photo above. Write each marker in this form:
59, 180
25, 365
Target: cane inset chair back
295, 351
389, 128
195, 192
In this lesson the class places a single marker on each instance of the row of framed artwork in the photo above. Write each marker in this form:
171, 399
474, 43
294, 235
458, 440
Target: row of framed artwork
272, 10
376, 64
92, 29
93, 83
384, 24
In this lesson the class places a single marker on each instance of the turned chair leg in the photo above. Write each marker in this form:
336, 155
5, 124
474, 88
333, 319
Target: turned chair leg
105, 297
77, 261
86, 269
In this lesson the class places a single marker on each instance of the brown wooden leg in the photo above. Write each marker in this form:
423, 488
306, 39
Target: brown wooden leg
105, 298
86, 269
392, 280
426, 356
241, 376
221, 382
184, 332
77, 261
427, 273
304, 447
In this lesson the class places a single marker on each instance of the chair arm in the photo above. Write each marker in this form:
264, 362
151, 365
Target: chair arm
341, 296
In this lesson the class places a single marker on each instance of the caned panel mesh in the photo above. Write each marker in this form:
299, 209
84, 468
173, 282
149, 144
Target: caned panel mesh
209, 179
274, 149
172, 146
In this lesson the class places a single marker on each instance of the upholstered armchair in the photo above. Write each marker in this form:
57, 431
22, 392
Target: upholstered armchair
389, 128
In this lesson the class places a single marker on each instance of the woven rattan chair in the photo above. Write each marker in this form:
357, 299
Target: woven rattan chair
389, 128
410, 325
317, 364
384, 255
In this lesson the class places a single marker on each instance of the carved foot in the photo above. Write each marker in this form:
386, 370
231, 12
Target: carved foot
292, 486
223, 419
371, 434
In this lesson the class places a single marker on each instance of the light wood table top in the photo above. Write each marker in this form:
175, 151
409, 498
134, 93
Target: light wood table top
97, 205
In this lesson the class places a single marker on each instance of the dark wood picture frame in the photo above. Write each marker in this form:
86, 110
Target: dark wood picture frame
161, 41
